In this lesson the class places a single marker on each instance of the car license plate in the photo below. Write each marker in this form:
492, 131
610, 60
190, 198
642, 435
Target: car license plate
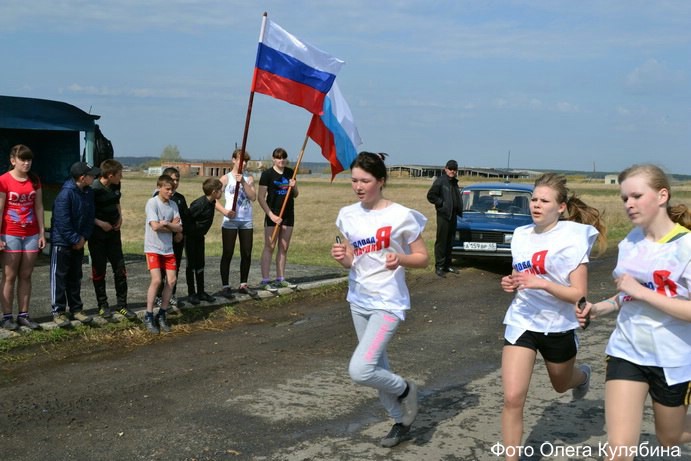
480, 246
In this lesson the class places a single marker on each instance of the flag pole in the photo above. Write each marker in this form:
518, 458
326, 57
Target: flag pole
241, 159
290, 189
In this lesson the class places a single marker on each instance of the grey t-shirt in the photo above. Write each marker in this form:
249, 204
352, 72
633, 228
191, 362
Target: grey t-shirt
158, 210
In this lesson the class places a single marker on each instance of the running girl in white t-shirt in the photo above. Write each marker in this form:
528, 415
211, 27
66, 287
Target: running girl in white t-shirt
382, 238
550, 275
649, 351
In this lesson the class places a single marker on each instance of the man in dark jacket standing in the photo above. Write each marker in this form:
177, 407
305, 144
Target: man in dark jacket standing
445, 196
71, 226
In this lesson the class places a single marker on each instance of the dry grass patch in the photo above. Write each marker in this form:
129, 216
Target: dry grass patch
320, 200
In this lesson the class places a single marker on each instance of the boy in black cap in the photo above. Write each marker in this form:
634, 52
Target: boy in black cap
71, 226
445, 196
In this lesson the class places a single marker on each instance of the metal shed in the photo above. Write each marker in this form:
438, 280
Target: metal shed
51, 129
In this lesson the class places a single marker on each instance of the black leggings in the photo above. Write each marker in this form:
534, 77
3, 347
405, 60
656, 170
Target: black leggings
246, 240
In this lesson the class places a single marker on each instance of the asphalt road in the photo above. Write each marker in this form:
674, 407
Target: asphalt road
277, 388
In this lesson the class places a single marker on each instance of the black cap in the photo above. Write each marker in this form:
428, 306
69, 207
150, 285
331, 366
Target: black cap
82, 168
452, 165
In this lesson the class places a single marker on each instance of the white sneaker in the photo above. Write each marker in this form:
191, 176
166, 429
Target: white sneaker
409, 405
581, 390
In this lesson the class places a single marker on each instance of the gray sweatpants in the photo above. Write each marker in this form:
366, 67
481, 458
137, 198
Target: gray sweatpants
369, 364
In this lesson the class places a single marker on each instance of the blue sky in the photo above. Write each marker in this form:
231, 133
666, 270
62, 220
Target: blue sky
560, 84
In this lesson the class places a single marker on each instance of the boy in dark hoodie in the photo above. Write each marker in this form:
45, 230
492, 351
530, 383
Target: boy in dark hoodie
200, 218
71, 226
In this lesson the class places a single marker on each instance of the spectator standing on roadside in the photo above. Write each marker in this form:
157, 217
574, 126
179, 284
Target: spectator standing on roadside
105, 244
200, 219
162, 222
178, 237
71, 226
22, 235
649, 352
550, 274
446, 198
274, 185
237, 225
382, 239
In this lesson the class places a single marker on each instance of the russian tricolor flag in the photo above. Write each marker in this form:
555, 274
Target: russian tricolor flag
292, 70
335, 131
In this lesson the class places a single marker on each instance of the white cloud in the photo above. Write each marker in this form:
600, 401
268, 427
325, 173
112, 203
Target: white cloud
653, 74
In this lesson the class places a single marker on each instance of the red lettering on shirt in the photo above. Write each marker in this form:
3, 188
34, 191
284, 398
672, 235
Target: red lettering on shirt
538, 262
383, 236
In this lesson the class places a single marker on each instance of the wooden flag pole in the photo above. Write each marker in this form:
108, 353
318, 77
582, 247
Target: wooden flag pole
290, 189
241, 158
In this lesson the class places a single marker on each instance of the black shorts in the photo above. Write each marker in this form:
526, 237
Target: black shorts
554, 347
659, 390
288, 220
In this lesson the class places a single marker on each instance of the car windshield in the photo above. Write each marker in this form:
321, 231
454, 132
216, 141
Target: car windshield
497, 201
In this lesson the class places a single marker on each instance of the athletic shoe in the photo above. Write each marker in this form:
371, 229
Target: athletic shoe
284, 284
268, 287
82, 317
105, 312
61, 319
409, 404
25, 320
127, 313
245, 290
227, 293
157, 301
193, 299
204, 296
150, 325
581, 390
395, 436
8, 323
162, 324
174, 302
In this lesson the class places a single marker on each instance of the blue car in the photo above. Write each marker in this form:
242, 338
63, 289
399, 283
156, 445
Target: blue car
491, 212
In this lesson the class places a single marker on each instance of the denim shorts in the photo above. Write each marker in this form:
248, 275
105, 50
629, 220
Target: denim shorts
14, 244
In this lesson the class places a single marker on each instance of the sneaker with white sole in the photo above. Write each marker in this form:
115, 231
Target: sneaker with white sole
268, 286
162, 322
409, 404
284, 284
396, 435
581, 390
151, 325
